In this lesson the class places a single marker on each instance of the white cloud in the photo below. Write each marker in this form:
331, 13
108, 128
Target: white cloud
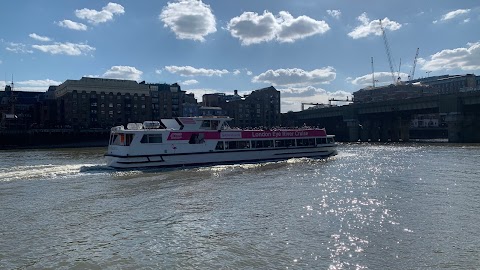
189, 82
368, 27
292, 98
72, 25
453, 14
105, 15
236, 72
158, 71
34, 85
123, 73
191, 71
334, 13
381, 78
296, 77
65, 48
46, 82
249, 73
18, 48
308, 91
467, 59
189, 19
39, 38
252, 28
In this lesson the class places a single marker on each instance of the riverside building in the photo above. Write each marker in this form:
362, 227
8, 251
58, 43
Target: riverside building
102, 103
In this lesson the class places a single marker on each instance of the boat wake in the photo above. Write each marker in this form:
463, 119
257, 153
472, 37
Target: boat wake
47, 171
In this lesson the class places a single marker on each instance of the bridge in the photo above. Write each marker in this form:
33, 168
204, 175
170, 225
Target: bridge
390, 120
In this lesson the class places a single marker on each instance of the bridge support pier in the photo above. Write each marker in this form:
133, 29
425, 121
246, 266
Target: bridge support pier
353, 130
455, 123
385, 130
375, 131
365, 127
405, 129
395, 129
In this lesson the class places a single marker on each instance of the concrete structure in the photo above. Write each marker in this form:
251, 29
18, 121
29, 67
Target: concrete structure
393, 92
391, 120
449, 84
445, 84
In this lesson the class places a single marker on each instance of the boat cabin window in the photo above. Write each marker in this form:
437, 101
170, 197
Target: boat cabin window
151, 138
285, 143
197, 138
262, 144
219, 145
305, 142
225, 126
205, 124
237, 145
210, 124
214, 124
121, 139
129, 139
321, 140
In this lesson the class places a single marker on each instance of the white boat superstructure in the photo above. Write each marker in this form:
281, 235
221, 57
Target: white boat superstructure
185, 141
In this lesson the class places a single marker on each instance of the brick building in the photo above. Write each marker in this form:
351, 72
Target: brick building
102, 103
259, 108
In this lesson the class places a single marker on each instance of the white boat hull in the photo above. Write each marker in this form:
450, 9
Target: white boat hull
218, 157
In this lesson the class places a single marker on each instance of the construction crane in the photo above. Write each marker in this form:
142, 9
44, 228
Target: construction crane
373, 75
410, 77
389, 54
398, 74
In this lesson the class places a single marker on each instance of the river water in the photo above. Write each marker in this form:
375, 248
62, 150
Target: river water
374, 206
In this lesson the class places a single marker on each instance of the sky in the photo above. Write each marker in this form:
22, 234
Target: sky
310, 50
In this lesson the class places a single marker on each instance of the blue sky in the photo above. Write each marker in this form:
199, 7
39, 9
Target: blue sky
310, 50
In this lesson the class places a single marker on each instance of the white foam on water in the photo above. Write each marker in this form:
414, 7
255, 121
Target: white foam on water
44, 171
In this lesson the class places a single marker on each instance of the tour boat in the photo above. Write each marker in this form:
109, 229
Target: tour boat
191, 141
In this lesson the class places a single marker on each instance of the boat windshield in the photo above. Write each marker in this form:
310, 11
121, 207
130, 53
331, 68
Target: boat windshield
225, 126
121, 139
